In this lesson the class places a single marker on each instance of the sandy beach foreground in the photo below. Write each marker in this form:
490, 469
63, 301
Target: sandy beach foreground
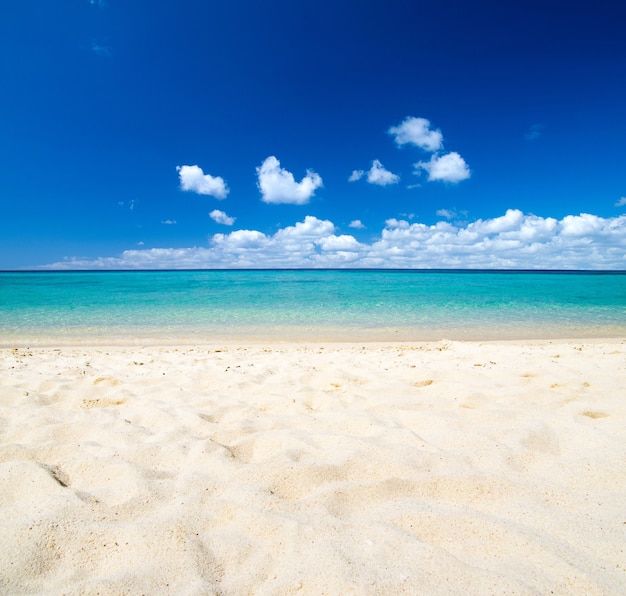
434, 468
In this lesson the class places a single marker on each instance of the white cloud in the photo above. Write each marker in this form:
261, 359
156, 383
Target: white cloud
344, 242
511, 220
514, 240
193, 179
277, 185
169, 222
450, 167
583, 225
221, 217
356, 224
291, 246
377, 174
240, 240
621, 202
447, 213
309, 229
417, 131
397, 223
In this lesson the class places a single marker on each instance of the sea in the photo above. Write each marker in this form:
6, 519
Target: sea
86, 307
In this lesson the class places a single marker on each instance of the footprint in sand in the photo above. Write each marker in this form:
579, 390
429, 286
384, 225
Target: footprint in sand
594, 414
423, 383
108, 380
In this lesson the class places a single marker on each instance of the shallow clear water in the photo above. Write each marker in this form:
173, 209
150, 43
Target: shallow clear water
305, 304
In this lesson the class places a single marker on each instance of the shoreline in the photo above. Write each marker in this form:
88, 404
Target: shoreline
298, 335
339, 344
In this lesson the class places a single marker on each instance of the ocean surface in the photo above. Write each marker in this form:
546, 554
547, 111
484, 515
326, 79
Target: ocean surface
343, 305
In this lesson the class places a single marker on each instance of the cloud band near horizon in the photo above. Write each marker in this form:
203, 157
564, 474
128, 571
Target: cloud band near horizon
513, 241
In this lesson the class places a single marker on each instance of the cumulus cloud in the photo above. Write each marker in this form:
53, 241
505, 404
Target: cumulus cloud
513, 240
621, 202
277, 185
193, 179
343, 243
221, 217
309, 243
356, 224
582, 226
240, 241
450, 167
417, 131
511, 220
377, 174
447, 213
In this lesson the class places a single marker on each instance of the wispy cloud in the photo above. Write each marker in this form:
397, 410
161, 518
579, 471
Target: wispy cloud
130, 204
101, 50
357, 224
447, 213
450, 167
534, 132
356, 175
514, 240
452, 215
193, 179
621, 202
278, 185
221, 217
417, 131
169, 222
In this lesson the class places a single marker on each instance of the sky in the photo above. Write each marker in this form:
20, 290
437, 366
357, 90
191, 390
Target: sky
352, 133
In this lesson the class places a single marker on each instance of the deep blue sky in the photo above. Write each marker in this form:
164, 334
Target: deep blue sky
101, 101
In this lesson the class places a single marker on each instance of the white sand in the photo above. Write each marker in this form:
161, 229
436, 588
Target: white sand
442, 468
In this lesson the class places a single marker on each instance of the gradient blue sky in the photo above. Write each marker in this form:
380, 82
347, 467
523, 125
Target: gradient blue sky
344, 133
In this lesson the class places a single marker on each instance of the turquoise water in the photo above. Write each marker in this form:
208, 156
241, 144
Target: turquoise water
305, 304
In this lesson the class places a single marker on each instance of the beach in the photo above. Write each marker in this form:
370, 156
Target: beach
277, 467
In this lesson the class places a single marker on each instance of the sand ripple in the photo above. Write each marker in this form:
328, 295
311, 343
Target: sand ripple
320, 469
